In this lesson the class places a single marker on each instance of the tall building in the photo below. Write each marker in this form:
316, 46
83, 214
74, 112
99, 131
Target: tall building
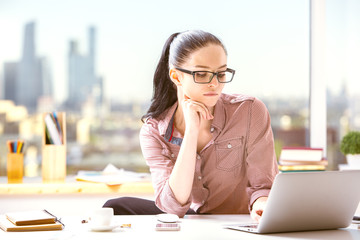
84, 84
28, 84
30, 78
10, 78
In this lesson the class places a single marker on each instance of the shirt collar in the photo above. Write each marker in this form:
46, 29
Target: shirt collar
219, 114
166, 127
164, 123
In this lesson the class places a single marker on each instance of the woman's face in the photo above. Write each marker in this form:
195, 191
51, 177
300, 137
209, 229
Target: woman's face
210, 58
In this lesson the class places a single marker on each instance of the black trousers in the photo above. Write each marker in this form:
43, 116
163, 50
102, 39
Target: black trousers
135, 206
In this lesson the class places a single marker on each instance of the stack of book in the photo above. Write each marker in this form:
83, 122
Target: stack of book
295, 159
38, 220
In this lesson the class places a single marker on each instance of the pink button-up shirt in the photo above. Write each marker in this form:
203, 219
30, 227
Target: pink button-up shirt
235, 168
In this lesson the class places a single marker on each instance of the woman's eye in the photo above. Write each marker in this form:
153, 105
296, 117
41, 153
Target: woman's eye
221, 75
201, 75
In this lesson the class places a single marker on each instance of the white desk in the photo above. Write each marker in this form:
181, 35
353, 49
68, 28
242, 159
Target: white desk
192, 227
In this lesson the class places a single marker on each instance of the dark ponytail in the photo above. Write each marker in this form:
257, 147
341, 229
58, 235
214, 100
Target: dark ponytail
176, 50
164, 91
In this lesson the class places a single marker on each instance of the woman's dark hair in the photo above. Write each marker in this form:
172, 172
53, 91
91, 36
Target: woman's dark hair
176, 51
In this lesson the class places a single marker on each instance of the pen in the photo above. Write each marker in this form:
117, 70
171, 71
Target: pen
56, 218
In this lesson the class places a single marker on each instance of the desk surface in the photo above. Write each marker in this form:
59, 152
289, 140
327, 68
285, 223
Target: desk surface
192, 227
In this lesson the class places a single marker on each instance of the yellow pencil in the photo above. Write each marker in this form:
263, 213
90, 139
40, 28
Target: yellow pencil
19, 146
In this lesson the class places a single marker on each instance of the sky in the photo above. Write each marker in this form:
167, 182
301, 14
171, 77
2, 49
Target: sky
267, 41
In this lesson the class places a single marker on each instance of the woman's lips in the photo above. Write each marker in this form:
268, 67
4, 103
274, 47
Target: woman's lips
210, 94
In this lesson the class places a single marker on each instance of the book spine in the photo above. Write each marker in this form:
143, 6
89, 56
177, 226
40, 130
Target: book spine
301, 167
299, 162
302, 148
301, 154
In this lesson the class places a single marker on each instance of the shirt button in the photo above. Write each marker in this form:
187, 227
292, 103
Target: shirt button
198, 157
203, 201
212, 129
172, 155
199, 178
229, 145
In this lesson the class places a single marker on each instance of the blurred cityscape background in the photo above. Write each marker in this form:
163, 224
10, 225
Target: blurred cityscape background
269, 48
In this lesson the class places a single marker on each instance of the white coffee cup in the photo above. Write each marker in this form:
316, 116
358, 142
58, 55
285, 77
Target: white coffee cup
101, 217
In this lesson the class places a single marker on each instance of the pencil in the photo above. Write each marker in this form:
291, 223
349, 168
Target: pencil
22, 146
20, 143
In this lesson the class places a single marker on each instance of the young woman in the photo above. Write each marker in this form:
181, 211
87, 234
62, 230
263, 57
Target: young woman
208, 152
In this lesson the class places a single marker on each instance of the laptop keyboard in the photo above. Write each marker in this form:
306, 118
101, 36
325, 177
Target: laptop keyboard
253, 226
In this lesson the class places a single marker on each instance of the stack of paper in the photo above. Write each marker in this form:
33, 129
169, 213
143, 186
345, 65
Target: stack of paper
38, 220
112, 176
302, 159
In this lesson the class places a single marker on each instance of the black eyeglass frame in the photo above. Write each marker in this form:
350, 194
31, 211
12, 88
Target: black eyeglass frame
213, 74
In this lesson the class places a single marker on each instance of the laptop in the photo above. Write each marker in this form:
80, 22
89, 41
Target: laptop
305, 201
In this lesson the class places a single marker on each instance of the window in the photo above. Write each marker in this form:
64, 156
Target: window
343, 74
120, 42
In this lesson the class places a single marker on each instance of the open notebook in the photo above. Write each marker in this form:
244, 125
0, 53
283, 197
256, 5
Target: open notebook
304, 201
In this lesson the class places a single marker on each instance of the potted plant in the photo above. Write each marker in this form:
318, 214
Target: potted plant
350, 146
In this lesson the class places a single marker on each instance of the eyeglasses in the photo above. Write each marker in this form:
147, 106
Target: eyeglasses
204, 77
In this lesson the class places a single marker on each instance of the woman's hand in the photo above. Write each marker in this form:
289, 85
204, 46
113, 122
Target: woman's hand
194, 112
258, 208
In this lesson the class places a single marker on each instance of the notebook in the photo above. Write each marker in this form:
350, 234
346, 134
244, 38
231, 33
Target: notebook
38, 220
305, 201
30, 217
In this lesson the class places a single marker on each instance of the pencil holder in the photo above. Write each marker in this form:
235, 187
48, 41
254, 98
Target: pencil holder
15, 167
54, 154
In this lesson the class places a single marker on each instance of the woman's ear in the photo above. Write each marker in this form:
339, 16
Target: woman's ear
174, 77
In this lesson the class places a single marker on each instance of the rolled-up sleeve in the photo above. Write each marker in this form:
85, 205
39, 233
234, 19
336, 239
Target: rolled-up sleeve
261, 159
157, 158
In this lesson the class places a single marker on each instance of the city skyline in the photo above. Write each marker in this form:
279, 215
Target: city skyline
28, 80
129, 47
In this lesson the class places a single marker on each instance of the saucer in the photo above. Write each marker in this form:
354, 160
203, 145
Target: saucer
103, 228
